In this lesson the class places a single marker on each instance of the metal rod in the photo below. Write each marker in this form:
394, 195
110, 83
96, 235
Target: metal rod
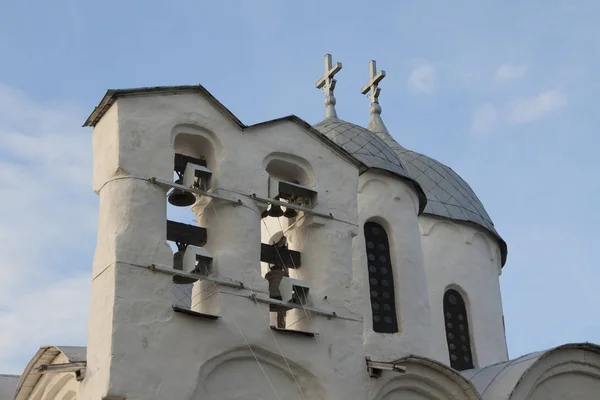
386, 366
253, 196
171, 271
197, 191
292, 305
67, 367
290, 205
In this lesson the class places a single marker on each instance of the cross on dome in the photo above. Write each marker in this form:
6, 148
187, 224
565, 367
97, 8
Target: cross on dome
372, 85
327, 83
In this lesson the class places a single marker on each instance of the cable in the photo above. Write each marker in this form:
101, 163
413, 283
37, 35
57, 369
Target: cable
272, 335
118, 178
306, 313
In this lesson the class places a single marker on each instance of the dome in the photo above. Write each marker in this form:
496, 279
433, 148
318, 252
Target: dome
445, 193
368, 148
448, 195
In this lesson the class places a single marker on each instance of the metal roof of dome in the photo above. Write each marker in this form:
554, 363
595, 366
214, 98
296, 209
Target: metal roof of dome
448, 195
368, 148
445, 195
500, 380
362, 144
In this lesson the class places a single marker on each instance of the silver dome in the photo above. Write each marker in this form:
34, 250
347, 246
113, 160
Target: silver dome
448, 195
368, 149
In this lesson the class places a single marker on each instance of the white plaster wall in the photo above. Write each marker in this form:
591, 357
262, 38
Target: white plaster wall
565, 374
148, 352
465, 258
106, 167
56, 386
422, 380
394, 204
568, 386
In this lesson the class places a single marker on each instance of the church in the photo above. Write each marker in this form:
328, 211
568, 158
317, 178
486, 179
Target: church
328, 262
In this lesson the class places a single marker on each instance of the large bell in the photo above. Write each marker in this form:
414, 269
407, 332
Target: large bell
275, 211
181, 198
178, 264
290, 213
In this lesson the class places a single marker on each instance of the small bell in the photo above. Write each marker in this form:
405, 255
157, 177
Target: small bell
181, 198
264, 214
178, 264
275, 211
274, 277
290, 213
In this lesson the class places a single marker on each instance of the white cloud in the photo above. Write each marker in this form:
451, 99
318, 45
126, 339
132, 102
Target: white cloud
422, 79
47, 228
484, 118
509, 72
530, 109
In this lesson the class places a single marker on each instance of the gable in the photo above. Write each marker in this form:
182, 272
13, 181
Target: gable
299, 126
112, 95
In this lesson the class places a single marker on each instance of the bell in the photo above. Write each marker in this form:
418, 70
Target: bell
290, 213
274, 277
264, 214
275, 211
181, 198
178, 264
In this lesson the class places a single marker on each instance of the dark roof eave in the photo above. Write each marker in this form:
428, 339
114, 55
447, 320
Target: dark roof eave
339, 150
113, 94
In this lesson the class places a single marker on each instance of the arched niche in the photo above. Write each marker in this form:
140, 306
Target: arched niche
255, 374
374, 185
197, 142
436, 225
480, 242
289, 167
194, 141
426, 379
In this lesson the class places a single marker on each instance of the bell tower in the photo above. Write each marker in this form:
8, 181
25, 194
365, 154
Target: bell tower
131, 235
245, 186
140, 140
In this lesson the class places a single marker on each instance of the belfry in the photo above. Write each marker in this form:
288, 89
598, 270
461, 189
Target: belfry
325, 262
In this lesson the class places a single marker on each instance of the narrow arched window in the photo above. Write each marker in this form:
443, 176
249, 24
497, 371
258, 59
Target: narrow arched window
381, 280
457, 331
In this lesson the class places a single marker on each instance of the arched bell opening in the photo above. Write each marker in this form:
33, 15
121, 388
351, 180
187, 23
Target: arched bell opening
199, 150
194, 165
290, 180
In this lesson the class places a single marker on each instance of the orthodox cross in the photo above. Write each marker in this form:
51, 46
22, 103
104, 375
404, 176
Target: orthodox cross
327, 83
371, 86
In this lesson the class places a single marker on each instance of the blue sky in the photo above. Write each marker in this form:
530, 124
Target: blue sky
504, 92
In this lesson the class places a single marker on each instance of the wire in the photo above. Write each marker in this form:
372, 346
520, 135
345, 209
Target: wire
238, 326
306, 313
118, 178
272, 335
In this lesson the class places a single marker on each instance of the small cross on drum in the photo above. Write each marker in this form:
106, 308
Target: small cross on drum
372, 85
327, 83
